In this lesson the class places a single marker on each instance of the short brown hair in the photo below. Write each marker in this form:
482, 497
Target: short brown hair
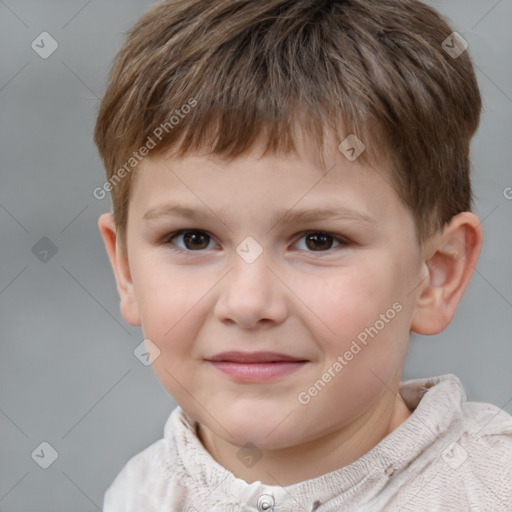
375, 68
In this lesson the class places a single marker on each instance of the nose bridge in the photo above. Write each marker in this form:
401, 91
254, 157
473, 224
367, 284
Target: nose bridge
251, 274
251, 292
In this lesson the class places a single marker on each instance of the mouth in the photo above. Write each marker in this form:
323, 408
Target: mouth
256, 366
254, 357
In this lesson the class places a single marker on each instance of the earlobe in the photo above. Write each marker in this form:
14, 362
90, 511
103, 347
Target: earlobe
447, 273
119, 261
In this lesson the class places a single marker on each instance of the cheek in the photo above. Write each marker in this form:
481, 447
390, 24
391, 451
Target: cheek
348, 300
369, 344
172, 314
360, 315
170, 303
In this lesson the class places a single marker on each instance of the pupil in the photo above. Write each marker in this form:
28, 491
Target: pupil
192, 238
322, 240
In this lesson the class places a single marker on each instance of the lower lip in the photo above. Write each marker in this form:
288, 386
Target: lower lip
257, 372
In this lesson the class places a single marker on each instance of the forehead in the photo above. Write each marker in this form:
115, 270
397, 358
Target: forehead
296, 187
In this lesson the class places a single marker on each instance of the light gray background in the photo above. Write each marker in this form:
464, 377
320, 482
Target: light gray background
68, 375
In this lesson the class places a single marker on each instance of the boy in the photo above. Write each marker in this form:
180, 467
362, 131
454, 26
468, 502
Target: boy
317, 154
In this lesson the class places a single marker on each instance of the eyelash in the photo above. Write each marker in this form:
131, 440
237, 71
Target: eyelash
167, 240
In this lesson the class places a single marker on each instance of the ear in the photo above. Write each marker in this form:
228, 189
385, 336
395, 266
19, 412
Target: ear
446, 273
119, 262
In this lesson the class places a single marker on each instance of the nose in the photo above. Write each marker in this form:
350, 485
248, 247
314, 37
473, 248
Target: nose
251, 295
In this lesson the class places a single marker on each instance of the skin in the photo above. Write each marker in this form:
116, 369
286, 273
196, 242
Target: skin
292, 299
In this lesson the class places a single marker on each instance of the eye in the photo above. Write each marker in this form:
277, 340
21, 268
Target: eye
191, 240
319, 241
194, 240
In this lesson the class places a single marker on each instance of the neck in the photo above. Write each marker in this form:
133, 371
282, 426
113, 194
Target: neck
332, 451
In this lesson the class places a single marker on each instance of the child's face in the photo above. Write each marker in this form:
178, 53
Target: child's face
304, 296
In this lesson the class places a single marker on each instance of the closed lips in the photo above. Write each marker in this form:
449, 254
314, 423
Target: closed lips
254, 357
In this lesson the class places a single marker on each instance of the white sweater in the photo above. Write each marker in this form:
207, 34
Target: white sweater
449, 455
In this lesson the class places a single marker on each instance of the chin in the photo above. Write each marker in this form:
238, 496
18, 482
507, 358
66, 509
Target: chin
263, 432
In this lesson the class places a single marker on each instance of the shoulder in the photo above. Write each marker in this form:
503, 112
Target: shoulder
155, 479
480, 442
466, 462
487, 436
144, 477
477, 463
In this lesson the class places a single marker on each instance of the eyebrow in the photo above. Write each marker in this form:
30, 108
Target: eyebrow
282, 216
